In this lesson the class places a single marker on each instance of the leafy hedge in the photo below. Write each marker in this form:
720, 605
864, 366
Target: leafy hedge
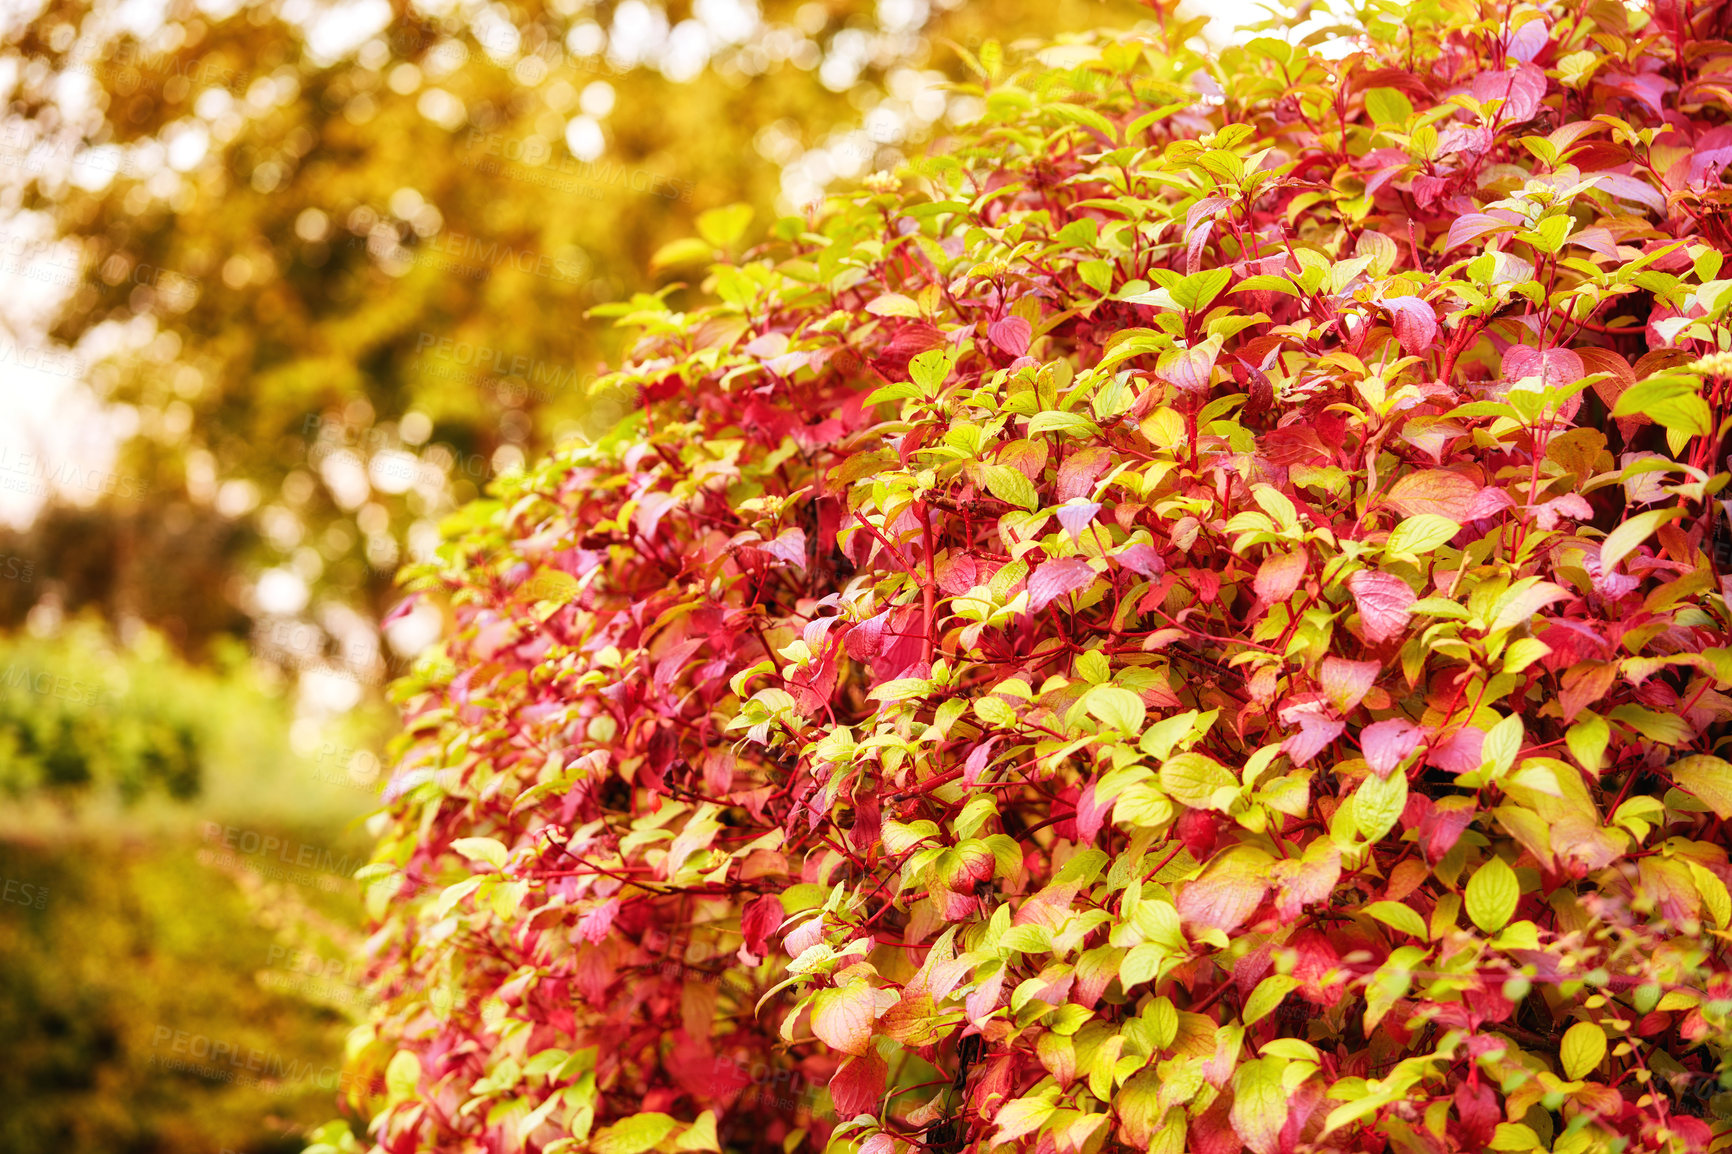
1190, 619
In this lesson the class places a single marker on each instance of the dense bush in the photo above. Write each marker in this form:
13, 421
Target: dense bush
1188, 620
82, 718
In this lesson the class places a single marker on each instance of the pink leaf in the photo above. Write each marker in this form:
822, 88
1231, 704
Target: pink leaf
789, 546
1528, 40
1317, 730
1077, 476
1090, 814
595, 924
1415, 323
1572, 505
1488, 503
1626, 187
1227, 893
1554, 367
1383, 601
1279, 576
842, 1018
1387, 744
865, 639
1459, 752
651, 508
1011, 334
1470, 226
1141, 559
1347, 682
1076, 515
1057, 578
1448, 494
1520, 89
1306, 882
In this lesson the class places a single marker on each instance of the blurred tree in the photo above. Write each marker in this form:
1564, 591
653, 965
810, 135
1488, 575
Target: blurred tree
339, 257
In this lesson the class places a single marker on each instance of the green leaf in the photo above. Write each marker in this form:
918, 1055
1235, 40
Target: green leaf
1192, 778
1194, 293
1622, 541
1140, 965
1421, 534
1672, 401
1269, 994
453, 894
634, 1135
482, 849
1117, 707
402, 1075
1501, 744
1259, 1103
1587, 740
1660, 728
1097, 274
1011, 486
1492, 894
930, 370
893, 305
723, 226
1583, 1049
1070, 423
1708, 780
687, 250
1399, 916
1377, 805
1388, 106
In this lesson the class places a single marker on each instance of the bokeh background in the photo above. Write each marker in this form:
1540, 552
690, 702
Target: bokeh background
282, 286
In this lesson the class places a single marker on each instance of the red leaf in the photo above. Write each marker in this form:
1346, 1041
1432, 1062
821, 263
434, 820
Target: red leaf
1212, 1133
762, 918
858, 1084
1383, 601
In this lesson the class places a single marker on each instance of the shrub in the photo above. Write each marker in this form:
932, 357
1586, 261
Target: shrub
1190, 619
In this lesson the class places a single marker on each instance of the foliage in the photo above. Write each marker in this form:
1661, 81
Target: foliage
121, 941
83, 719
337, 290
144, 922
1190, 619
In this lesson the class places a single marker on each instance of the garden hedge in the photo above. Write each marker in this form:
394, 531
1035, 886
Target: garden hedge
1191, 618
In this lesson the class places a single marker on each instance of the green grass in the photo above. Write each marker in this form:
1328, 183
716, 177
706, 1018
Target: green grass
183, 968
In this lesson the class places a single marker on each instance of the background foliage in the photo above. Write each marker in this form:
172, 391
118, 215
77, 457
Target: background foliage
1188, 619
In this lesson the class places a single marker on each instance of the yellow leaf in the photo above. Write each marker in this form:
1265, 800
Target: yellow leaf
1584, 1047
